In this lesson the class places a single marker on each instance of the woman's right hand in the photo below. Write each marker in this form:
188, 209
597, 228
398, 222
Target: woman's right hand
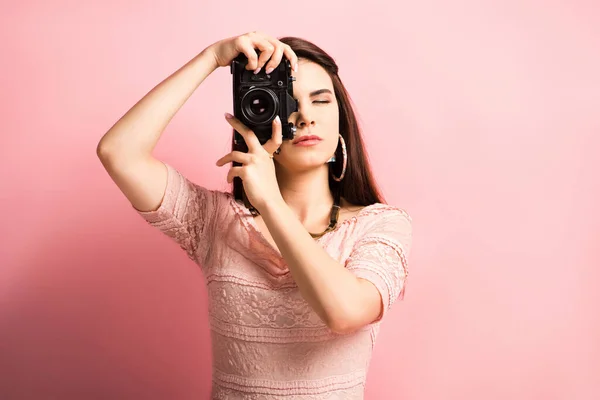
224, 51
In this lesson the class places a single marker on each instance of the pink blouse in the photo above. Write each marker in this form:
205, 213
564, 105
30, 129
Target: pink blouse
267, 342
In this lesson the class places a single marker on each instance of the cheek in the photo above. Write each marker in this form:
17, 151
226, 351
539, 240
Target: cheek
332, 143
333, 133
330, 120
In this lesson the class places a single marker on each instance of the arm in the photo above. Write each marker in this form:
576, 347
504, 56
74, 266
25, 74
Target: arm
126, 149
344, 301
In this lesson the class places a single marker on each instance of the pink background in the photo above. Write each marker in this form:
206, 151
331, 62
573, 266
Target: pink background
481, 119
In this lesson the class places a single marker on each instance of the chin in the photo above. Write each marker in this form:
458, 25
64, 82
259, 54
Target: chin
304, 162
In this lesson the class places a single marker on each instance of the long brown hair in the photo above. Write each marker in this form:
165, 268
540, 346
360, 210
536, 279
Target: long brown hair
358, 186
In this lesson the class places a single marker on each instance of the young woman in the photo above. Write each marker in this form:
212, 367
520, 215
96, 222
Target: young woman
299, 281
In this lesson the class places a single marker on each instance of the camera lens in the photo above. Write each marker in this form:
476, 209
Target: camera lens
259, 105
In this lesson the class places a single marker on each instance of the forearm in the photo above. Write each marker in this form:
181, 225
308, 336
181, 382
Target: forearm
137, 132
329, 288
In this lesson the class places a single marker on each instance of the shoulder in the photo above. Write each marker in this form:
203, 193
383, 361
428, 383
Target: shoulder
386, 224
376, 216
379, 215
372, 211
387, 210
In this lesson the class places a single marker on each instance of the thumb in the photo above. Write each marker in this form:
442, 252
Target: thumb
276, 138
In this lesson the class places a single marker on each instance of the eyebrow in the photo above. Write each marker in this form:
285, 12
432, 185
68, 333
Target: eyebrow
320, 91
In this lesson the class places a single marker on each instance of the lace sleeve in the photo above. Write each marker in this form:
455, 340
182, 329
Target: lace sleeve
380, 256
187, 213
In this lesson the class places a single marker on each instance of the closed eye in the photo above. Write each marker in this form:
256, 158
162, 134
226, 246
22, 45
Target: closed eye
321, 101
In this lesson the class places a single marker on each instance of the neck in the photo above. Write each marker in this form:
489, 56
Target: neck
307, 193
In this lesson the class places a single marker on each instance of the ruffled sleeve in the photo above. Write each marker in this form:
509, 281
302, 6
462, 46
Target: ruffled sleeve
188, 214
381, 254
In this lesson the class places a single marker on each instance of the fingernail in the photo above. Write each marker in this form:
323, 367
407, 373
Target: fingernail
228, 116
277, 120
268, 71
257, 70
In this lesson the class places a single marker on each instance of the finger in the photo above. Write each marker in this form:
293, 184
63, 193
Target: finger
290, 55
266, 50
276, 138
233, 172
249, 137
237, 156
275, 58
244, 45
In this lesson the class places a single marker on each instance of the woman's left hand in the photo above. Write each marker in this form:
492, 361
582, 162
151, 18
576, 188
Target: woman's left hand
258, 169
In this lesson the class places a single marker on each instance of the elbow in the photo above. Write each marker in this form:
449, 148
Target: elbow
103, 151
109, 154
350, 320
114, 154
342, 328
344, 312
342, 324
345, 316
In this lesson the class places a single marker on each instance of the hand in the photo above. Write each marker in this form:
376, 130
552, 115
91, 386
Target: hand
226, 50
258, 169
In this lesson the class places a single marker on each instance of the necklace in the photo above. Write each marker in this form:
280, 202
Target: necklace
333, 219
333, 216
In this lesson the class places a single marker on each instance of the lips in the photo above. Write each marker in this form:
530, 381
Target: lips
305, 138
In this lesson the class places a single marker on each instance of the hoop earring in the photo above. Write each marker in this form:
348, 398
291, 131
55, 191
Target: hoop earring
344, 161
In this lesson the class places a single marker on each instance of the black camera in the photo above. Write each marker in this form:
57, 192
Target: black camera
258, 99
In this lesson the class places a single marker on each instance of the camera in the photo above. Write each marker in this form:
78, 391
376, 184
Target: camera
258, 99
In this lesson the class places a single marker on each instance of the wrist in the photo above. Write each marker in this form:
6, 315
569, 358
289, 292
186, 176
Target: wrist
209, 55
272, 207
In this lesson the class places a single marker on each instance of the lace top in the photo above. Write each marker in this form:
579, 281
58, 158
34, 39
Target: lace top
267, 342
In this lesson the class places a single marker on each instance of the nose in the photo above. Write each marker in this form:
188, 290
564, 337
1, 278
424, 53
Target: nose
303, 119
303, 123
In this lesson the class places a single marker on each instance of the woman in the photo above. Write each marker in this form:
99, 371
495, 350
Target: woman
299, 281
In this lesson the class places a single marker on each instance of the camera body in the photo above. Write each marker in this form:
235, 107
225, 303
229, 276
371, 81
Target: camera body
258, 99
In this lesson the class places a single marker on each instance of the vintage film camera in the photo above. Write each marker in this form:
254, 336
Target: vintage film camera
258, 99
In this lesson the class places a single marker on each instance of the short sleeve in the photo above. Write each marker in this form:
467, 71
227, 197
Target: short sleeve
187, 213
381, 254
